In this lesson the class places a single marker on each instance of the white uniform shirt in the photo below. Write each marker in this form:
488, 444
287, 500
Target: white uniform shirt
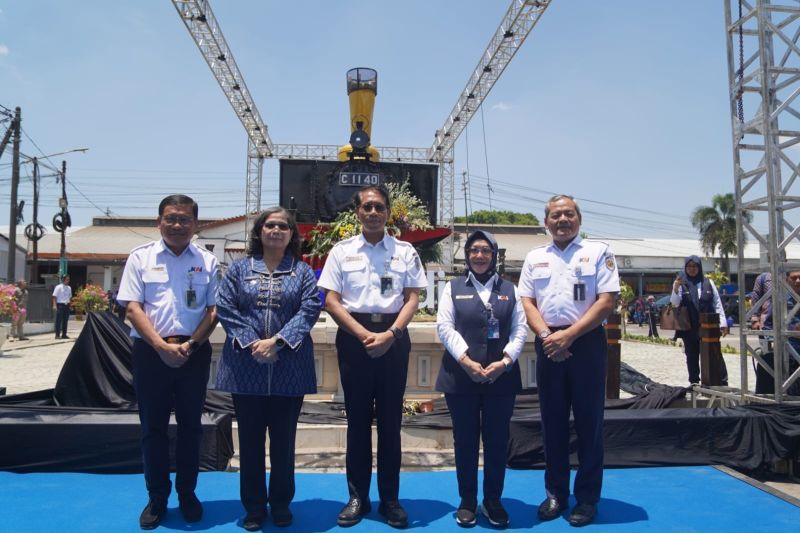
550, 274
675, 300
62, 293
452, 339
158, 279
354, 269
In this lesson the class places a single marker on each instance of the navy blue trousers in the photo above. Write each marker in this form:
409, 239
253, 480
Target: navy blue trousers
373, 385
62, 317
255, 415
577, 384
487, 417
159, 389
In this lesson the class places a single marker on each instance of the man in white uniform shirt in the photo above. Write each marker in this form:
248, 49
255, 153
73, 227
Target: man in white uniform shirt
372, 284
568, 288
169, 288
62, 295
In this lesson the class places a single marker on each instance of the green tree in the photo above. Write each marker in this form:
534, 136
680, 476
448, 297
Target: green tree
485, 216
716, 225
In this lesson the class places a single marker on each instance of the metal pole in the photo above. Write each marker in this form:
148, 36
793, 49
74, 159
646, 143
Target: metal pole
35, 262
62, 265
12, 218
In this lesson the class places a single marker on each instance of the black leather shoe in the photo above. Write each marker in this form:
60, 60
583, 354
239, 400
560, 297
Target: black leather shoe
494, 512
253, 521
190, 506
582, 514
352, 513
394, 513
152, 514
466, 513
281, 515
550, 509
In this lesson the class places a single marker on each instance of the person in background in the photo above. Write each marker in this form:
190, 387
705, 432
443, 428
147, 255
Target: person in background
568, 288
372, 283
638, 311
169, 291
62, 295
765, 382
268, 302
482, 326
699, 295
651, 311
18, 321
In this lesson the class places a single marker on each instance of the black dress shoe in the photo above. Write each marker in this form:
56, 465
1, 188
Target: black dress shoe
253, 521
281, 515
352, 513
152, 514
494, 512
550, 509
394, 513
190, 506
582, 514
466, 513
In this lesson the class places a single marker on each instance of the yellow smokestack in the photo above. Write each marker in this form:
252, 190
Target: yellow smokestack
362, 87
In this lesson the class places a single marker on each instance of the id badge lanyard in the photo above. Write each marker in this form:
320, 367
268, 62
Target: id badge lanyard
493, 323
191, 294
579, 289
387, 281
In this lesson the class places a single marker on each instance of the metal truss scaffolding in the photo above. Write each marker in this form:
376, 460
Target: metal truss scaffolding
519, 20
517, 23
207, 35
764, 75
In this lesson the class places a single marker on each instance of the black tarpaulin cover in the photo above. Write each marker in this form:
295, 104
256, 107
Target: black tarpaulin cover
89, 423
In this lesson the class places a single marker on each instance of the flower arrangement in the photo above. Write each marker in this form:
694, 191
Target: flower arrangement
8, 302
91, 298
408, 214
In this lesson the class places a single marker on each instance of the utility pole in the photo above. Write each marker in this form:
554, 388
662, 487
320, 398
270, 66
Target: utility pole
62, 263
33, 231
12, 219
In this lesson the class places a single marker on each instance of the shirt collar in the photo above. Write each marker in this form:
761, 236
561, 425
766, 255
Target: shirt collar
385, 241
257, 264
489, 282
577, 241
161, 246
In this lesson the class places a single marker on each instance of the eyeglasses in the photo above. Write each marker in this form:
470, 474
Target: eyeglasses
479, 251
378, 208
279, 225
181, 221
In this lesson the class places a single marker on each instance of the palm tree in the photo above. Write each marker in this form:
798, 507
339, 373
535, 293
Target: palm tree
716, 225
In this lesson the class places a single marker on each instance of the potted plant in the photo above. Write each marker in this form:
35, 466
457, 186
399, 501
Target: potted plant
91, 298
8, 310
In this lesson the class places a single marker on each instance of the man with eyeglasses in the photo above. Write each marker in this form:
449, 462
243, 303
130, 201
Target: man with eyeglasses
372, 283
169, 290
568, 288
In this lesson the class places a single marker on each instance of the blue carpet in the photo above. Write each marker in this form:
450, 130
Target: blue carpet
658, 499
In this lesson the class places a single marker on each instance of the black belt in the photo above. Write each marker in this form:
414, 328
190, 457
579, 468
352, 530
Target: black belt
176, 339
558, 328
375, 318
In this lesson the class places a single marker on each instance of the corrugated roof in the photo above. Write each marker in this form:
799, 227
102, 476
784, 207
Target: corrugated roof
98, 242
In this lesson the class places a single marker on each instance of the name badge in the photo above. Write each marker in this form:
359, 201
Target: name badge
463, 296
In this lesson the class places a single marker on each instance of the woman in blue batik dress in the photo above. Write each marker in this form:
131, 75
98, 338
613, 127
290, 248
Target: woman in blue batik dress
268, 302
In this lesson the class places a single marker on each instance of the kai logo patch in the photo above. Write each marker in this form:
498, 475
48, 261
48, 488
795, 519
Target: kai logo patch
610, 263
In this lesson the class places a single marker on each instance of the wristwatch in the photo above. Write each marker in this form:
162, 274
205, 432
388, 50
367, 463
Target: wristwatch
397, 332
279, 342
192, 345
544, 334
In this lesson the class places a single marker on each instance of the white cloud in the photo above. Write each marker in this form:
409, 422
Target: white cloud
501, 106
3, 50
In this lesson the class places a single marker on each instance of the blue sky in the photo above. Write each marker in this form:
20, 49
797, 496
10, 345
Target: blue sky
622, 103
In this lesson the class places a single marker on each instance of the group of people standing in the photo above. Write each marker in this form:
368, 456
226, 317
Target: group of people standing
268, 302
